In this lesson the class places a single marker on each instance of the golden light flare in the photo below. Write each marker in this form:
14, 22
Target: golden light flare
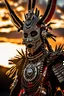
58, 10
3, 11
7, 30
11, 2
7, 51
58, 23
4, 23
62, 16
16, 4
20, 8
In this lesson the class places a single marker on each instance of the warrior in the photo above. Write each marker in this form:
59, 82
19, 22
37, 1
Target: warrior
40, 70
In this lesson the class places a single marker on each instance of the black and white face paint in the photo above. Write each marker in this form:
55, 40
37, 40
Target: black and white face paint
32, 39
31, 33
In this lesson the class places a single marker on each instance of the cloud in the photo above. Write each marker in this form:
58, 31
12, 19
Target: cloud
61, 8
13, 37
58, 32
58, 12
7, 26
14, 1
57, 16
41, 6
11, 40
2, 5
5, 18
12, 34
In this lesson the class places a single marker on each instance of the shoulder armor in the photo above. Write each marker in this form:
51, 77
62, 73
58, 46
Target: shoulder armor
58, 70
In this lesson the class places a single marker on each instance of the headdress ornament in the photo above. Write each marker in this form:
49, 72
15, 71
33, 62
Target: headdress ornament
31, 6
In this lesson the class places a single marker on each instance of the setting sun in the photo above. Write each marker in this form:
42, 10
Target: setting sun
7, 51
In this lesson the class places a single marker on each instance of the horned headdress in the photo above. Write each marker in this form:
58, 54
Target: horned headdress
34, 23
31, 6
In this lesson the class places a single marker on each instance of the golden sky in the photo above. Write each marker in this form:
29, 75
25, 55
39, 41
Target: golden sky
10, 39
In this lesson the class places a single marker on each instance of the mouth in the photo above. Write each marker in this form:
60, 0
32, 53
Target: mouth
30, 46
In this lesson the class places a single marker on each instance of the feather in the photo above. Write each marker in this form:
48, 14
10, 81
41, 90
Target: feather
19, 53
17, 62
13, 85
17, 69
22, 52
53, 38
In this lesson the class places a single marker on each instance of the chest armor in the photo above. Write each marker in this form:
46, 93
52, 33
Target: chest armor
32, 74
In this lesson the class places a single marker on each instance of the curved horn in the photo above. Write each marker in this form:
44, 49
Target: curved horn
16, 21
48, 13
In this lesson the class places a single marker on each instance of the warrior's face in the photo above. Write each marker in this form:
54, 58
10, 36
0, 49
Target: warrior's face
31, 37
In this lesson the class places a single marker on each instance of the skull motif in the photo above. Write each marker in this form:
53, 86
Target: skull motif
31, 33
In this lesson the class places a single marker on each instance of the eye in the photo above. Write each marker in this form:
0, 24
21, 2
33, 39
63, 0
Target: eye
33, 33
25, 35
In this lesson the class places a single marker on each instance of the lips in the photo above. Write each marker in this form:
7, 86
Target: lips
30, 46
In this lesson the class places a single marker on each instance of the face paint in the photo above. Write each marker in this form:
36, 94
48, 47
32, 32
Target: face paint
31, 37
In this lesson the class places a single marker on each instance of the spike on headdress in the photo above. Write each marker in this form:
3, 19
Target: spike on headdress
29, 4
37, 12
17, 22
33, 4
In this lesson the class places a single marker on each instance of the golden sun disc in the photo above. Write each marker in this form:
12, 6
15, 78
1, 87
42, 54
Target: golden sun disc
7, 51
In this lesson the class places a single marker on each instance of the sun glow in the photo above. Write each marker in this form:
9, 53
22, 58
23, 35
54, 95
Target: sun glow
7, 51
12, 40
4, 23
2, 11
20, 8
7, 30
58, 11
58, 24
62, 17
